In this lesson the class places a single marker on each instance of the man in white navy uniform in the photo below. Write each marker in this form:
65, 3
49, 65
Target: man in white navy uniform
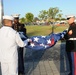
9, 40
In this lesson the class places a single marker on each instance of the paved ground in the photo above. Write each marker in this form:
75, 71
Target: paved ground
47, 62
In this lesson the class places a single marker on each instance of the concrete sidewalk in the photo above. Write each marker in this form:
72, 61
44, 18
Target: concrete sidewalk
41, 68
47, 62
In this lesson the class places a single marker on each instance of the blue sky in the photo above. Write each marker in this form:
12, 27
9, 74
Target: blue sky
34, 6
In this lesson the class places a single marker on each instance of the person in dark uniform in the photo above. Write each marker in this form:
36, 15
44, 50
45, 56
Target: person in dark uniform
19, 28
71, 44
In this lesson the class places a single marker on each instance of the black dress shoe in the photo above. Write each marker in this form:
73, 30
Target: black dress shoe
69, 74
21, 74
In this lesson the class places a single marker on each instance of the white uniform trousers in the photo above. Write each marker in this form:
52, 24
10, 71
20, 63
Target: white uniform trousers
9, 68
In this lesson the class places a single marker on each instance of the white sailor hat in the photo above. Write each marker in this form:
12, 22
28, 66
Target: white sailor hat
8, 17
75, 20
69, 16
16, 15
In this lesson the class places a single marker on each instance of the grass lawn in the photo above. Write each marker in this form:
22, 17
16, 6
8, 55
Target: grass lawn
35, 30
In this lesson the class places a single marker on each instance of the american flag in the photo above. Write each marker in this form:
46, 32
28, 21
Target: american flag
45, 42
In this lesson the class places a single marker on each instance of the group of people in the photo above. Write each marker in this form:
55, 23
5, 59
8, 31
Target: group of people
12, 45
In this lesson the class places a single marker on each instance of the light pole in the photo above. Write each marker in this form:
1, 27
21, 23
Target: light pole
1, 12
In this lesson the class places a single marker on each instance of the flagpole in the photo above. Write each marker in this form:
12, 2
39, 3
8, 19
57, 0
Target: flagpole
1, 12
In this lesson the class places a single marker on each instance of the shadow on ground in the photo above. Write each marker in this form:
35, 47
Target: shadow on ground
57, 54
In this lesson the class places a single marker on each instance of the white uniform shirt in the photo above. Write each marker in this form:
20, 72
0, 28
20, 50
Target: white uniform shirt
9, 40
